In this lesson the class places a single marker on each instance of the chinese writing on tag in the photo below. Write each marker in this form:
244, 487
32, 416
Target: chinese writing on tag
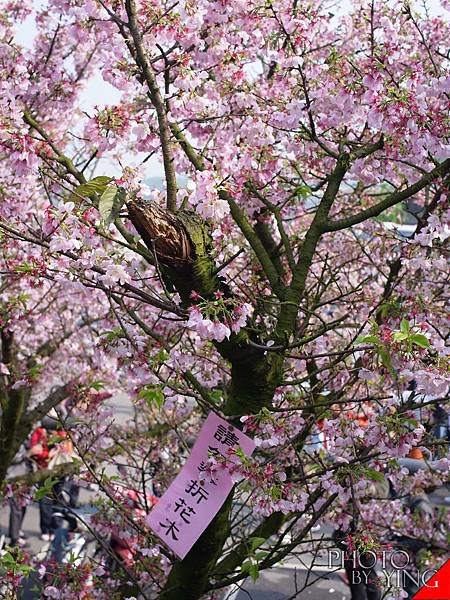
225, 435
196, 495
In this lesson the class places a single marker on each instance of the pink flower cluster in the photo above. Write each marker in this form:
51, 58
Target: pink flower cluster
208, 329
204, 196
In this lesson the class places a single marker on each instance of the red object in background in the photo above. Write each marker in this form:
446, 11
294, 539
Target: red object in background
122, 549
438, 587
39, 437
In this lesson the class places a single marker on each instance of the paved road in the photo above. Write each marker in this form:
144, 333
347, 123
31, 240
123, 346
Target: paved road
285, 583
279, 583
123, 410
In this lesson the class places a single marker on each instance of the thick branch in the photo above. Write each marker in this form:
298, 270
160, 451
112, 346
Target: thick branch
162, 232
60, 157
254, 241
12, 408
264, 233
194, 157
181, 243
53, 399
290, 307
391, 200
158, 103
196, 567
368, 149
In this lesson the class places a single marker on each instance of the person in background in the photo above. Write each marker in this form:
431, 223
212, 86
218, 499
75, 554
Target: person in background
361, 575
42, 449
17, 511
39, 453
61, 452
441, 423
17, 505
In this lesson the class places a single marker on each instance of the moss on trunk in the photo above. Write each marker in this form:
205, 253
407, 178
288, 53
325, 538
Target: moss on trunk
181, 243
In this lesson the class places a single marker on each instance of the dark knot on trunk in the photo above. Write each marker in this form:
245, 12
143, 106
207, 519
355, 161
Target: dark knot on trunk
162, 232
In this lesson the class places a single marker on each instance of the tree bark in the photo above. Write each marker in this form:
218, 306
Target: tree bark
13, 403
181, 243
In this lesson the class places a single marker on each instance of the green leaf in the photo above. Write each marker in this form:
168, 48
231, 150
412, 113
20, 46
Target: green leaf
25, 267
404, 326
420, 340
216, 396
25, 569
97, 384
375, 475
253, 571
251, 568
106, 204
385, 358
399, 336
35, 371
256, 542
113, 334
302, 191
367, 339
8, 558
54, 439
46, 488
94, 186
160, 357
100, 181
152, 395
240, 453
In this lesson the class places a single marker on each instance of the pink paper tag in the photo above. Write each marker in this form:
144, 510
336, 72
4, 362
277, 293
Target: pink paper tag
195, 496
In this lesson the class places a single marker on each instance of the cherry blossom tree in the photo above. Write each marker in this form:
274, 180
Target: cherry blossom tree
268, 288
48, 346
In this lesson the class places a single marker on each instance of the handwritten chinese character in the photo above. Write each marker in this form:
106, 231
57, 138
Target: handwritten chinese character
171, 528
186, 511
226, 436
196, 490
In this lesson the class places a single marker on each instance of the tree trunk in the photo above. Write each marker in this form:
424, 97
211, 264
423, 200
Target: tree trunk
181, 243
13, 404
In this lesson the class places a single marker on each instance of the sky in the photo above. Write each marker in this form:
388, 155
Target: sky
100, 93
